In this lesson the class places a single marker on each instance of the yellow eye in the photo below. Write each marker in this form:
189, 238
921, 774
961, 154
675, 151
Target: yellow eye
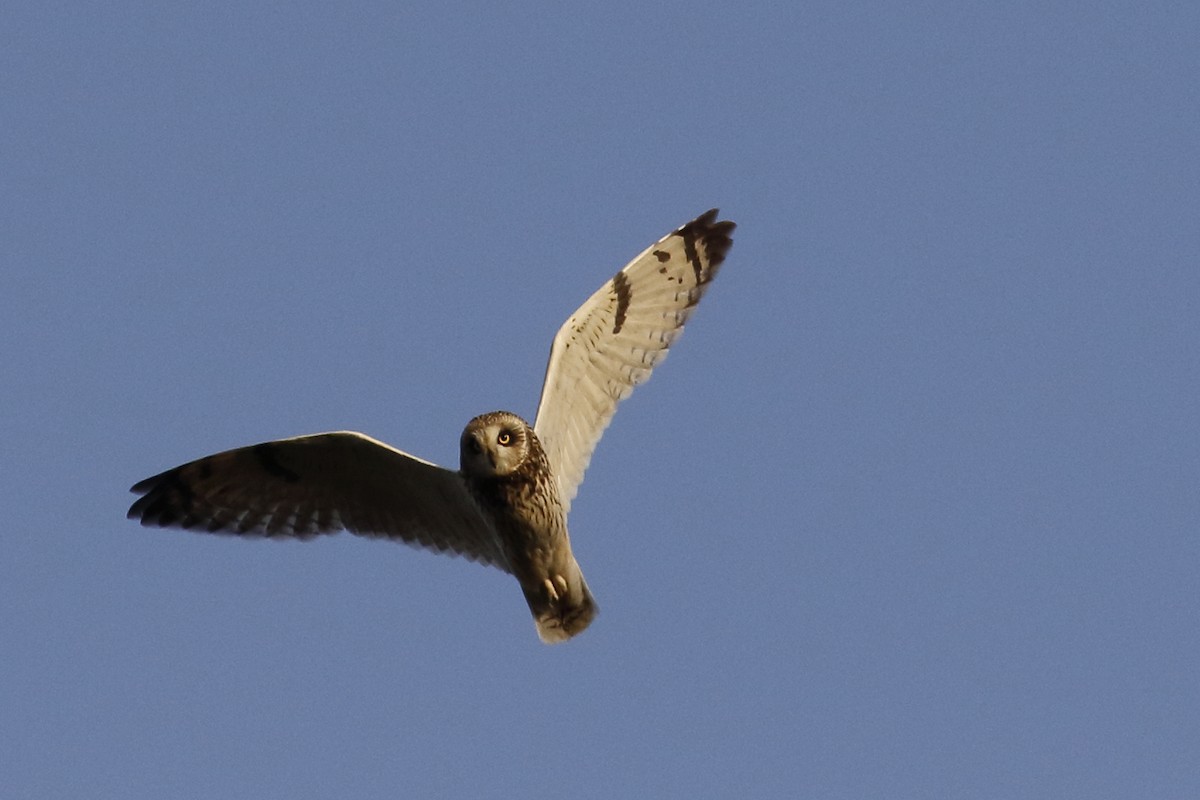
504, 438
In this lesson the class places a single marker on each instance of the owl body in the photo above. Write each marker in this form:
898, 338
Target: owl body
509, 478
507, 504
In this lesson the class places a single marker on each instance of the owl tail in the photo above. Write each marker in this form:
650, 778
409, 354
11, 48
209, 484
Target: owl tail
563, 607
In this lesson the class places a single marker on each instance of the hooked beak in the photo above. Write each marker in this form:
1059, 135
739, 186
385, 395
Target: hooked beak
476, 448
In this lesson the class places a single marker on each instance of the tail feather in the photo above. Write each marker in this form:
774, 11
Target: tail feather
569, 613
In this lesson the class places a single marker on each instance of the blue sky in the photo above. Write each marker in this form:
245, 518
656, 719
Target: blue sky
910, 512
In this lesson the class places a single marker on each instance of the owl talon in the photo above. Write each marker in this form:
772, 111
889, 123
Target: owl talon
551, 592
562, 583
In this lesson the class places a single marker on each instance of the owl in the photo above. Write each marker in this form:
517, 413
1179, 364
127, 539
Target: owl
507, 504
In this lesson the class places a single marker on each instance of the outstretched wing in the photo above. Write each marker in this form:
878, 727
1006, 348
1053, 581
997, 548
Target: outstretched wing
614, 340
323, 483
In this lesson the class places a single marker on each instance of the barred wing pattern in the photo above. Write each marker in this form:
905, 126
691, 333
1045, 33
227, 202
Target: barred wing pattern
299, 488
616, 338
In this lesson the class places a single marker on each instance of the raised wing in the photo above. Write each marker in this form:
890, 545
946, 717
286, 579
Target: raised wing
309, 485
614, 340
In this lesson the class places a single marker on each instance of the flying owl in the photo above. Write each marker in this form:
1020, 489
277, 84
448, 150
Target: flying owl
507, 504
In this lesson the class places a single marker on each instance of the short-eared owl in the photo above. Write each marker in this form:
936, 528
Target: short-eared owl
507, 504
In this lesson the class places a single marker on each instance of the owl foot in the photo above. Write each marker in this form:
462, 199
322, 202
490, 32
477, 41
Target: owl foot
555, 589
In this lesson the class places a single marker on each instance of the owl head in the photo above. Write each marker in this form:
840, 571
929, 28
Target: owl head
495, 445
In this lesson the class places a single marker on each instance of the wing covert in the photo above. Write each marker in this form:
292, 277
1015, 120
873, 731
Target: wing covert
323, 483
616, 338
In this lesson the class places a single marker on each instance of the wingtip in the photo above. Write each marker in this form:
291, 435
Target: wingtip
152, 509
716, 235
137, 508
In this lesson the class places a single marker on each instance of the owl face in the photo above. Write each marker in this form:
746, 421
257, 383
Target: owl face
494, 445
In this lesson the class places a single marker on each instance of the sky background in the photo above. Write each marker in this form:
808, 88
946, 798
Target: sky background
910, 512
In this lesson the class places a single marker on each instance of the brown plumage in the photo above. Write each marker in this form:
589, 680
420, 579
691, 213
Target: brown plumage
507, 474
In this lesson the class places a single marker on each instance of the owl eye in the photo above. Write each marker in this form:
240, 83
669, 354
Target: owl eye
505, 438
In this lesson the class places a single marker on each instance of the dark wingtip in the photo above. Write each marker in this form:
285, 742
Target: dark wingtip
162, 496
716, 235
144, 488
146, 484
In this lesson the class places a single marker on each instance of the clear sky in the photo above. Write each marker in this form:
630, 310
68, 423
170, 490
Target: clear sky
911, 511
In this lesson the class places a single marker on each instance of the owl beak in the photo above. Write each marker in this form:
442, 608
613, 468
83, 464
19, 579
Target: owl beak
477, 448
